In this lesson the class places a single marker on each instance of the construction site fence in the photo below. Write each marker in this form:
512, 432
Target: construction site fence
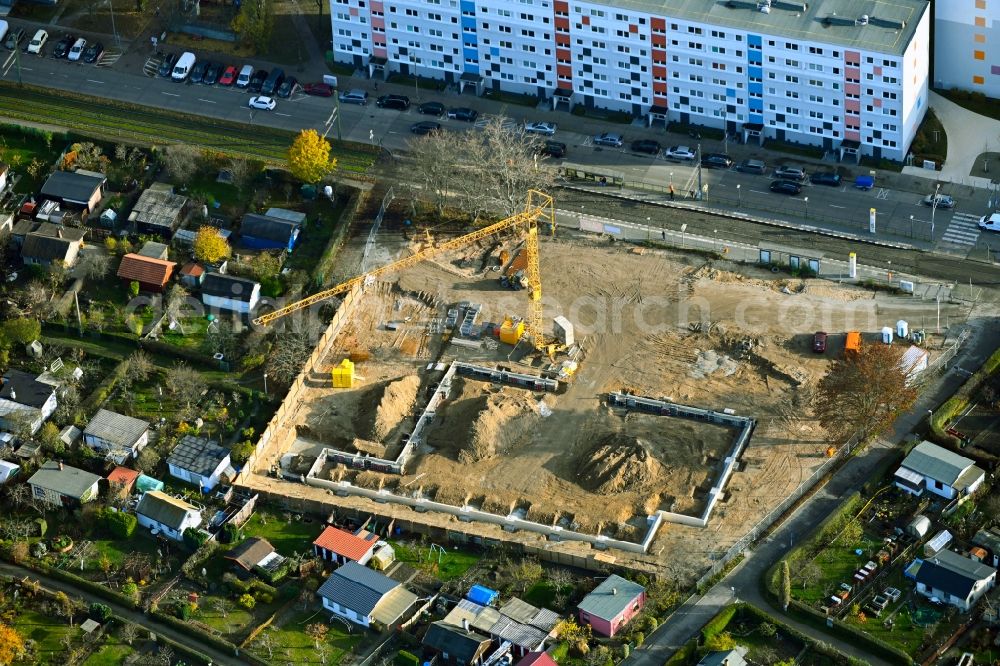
777, 512
589, 561
914, 229
277, 435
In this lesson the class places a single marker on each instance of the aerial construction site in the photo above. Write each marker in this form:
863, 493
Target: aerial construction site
653, 408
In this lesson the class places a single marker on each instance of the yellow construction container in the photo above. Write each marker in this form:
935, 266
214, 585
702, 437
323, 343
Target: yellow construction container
343, 374
511, 331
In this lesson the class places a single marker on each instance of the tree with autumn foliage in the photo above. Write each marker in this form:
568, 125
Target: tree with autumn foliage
864, 392
210, 246
309, 157
11, 644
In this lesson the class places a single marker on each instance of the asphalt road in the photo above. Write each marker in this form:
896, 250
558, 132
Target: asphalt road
135, 617
897, 199
743, 582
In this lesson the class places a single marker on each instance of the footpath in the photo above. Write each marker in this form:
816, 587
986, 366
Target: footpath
744, 582
128, 614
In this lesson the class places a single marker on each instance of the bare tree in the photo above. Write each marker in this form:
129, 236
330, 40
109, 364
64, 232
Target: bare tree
175, 306
434, 166
864, 392
182, 162
129, 632
94, 265
166, 655
221, 604
140, 366
244, 172
317, 631
288, 356
148, 460
184, 382
266, 641
19, 495
810, 573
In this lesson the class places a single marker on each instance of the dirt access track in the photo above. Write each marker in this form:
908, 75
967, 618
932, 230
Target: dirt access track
653, 322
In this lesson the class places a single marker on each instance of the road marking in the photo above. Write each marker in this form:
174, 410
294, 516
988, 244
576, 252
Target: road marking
836, 206
95, 81
758, 191
287, 115
171, 94
206, 101
963, 229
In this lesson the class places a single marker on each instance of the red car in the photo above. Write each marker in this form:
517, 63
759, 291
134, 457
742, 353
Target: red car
317, 89
228, 76
819, 342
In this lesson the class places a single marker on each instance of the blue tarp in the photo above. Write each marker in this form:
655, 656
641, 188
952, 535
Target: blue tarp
146, 483
483, 596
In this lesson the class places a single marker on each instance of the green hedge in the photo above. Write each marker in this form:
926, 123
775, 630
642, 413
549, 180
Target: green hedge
404, 658
82, 583
959, 401
718, 624
203, 636
867, 642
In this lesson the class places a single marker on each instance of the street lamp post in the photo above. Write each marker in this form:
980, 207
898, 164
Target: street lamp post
725, 132
699, 170
683, 238
671, 179
265, 383
934, 205
806, 201
648, 230
114, 31
911, 229
739, 196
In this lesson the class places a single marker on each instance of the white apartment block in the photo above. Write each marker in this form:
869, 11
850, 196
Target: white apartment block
967, 45
846, 75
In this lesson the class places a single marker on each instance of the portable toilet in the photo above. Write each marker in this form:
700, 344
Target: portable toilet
511, 331
853, 343
343, 374
902, 329
887, 335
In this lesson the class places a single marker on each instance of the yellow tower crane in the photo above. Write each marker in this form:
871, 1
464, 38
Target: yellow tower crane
538, 206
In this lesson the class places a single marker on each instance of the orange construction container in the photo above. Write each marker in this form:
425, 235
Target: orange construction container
853, 343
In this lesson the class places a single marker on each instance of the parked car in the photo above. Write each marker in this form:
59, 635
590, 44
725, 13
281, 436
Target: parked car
609, 139
198, 71
463, 113
543, 128
864, 182
228, 76
790, 173
939, 201
14, 38
257, 80
679, 153
318, 89
288, 87
273, 81
76, 51
62, 47
786, 187
37, 42
990, 222
425, 127
212, 73
716, 161
752, 166
93, 52
431, 109
831, 178
396, 102
555, 149
819, 342
647, 146
167, 64
263, 103
244, 76
355, 96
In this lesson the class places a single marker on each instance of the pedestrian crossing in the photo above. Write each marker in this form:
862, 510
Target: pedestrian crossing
962, 230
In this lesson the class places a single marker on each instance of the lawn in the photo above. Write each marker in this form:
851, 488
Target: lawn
324, 218
117, 550
295, 647
234, 622
543, 594
445, 567
194, 329
112, 652
48, 634
19, 149
287, 538
207, 187
838, 563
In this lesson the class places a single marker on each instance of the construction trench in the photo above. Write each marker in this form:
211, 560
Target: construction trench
686, 420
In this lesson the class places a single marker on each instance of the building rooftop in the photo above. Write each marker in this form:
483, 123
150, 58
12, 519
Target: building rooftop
611, 597
952, 573
145, 269
889, 29
249, 553
936, 462
162, 508
267, 227
25, 389
228, 286
198, 455
460, 645
116, 428
154, 250
48, 248
341, 542
73, 186
63, 479
356, 587
158, 208
123, 475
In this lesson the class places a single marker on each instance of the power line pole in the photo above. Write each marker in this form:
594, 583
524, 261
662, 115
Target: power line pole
698, 157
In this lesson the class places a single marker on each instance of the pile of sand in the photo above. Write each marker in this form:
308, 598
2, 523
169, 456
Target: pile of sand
502, 422
396, 404
710, 362
366, 446
619, 463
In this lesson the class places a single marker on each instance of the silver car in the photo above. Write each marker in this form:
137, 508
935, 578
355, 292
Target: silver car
609, 139
939, 201
543, 128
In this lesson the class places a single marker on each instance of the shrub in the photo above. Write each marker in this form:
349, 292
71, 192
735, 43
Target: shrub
718, 623
39, 549
638, 637
194, 538
184, 610
231, 533
404, 658
121, 525
242, 452
43, 526
100, 612
247, 601
131, 590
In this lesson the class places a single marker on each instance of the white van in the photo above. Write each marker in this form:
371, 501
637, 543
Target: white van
243, 80
4, 27
183, 66
38, 41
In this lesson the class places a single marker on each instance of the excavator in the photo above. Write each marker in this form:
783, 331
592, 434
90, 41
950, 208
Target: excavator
539, 206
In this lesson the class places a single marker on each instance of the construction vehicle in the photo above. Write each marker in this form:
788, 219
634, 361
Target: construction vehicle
538, 206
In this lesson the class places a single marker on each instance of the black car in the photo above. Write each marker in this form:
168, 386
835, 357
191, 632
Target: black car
646, 146
212, 73
831, 178
62, 47
257, 80
463, 113
93, 51
167, 66
198, 71
431, 109
425, 127
287, 86
14, 38
716, 161
398, 102
789, 187
553, 149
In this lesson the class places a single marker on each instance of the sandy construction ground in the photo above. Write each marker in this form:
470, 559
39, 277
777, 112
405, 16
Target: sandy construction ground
707, 334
